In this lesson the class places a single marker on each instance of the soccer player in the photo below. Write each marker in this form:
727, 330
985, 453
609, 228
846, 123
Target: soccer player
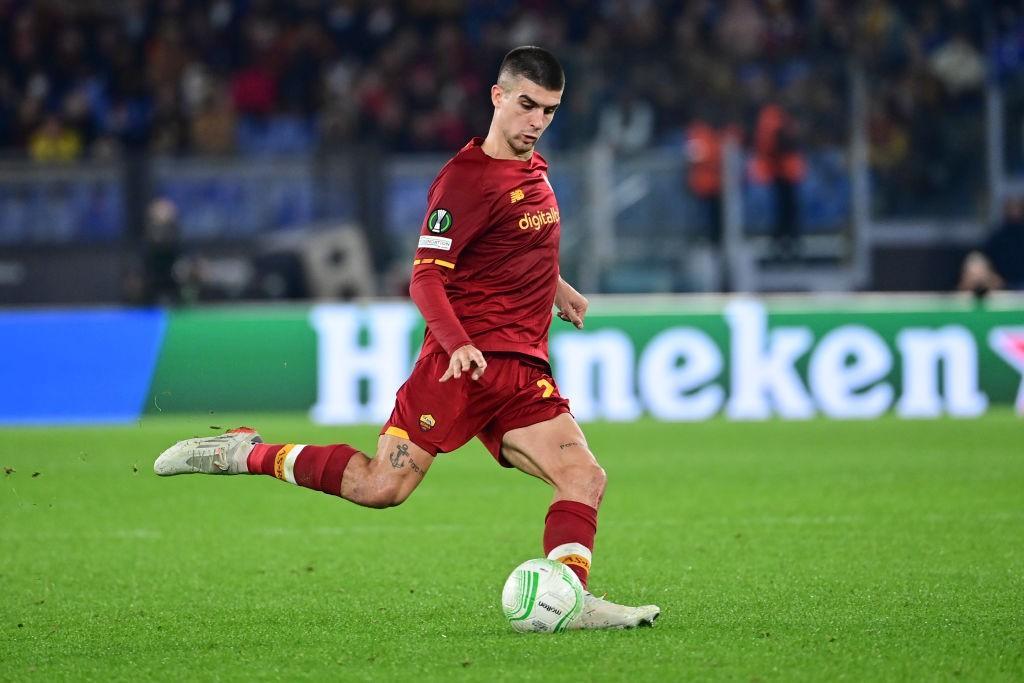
485, 277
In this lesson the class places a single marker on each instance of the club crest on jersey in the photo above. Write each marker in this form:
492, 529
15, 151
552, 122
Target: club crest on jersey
427, 422
538, 219
440, 221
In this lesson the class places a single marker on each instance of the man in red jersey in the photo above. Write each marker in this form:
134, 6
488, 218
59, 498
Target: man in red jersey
485, 277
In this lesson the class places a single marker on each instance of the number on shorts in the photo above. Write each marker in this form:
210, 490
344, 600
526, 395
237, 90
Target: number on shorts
546, 386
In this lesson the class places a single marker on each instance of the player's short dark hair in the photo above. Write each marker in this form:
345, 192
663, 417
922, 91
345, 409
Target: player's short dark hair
534, 64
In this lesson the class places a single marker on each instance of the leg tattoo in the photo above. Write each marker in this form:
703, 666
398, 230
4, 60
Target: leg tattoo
398, 456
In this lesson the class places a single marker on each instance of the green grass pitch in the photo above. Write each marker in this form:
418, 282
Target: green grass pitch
817, 551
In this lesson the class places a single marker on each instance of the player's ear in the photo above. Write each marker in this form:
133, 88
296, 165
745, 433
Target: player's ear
496, 93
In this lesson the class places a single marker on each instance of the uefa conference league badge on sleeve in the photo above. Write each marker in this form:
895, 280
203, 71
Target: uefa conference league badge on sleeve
440, 221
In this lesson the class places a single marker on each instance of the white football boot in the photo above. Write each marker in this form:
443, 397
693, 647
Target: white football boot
599, 613
224, 454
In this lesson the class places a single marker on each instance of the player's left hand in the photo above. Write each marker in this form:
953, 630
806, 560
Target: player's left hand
465, 359
572, 306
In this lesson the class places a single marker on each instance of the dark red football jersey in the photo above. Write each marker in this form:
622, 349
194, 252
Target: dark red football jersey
492, 227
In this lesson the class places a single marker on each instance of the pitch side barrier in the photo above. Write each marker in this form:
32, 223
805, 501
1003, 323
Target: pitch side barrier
678, 358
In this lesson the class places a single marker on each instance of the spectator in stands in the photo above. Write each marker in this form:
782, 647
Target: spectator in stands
925, 69
777, 161
999, 263
740, 30
170, 127
54, 142
161, 251
628, 123
212, 130
704, 151
958, 65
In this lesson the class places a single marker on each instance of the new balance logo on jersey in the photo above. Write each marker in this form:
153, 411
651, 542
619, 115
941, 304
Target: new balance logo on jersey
517, 195
538, 219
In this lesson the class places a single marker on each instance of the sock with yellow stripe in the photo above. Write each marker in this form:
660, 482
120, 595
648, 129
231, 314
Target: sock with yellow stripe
569, 531
312, 467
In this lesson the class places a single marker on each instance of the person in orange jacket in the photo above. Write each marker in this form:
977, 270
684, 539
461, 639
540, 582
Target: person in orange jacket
777, 161
704, 150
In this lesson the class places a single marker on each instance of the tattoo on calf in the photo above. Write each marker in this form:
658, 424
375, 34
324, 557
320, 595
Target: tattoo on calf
570, 444
397, 456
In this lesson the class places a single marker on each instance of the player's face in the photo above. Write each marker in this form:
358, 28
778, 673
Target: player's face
523, 111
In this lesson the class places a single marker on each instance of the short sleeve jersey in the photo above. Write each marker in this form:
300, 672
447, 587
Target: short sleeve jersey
492, 227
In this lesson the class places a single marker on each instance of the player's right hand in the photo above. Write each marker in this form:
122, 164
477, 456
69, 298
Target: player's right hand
463, 360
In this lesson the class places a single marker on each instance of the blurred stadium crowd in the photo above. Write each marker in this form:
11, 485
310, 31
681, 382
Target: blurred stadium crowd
90, 77
259, 81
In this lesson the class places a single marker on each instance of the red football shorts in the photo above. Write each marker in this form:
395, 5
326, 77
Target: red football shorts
515, 391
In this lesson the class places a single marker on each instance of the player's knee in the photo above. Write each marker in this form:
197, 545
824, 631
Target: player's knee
602, 477
599, 480
586, 482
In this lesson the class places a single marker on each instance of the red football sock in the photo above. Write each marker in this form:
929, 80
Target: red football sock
569, 531
312, 467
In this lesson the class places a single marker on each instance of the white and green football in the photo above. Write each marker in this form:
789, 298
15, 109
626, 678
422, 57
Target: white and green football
541, 596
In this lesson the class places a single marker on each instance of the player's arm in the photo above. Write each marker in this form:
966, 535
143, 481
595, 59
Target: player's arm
458, 209
572, 306
427, 292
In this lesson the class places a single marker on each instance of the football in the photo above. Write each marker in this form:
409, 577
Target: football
541, 596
